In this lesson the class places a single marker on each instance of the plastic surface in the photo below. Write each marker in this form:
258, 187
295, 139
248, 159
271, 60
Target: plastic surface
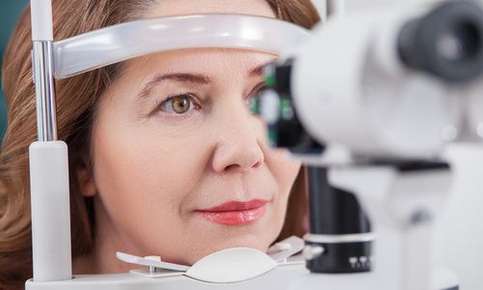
282, 250
231, 265
225, 266
120, 42
41, 13
287, 277
49, 183
149, 262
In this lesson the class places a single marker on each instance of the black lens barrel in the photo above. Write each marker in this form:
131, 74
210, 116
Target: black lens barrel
446, 43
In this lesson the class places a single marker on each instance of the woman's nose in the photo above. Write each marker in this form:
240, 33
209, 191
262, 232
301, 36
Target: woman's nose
239, 147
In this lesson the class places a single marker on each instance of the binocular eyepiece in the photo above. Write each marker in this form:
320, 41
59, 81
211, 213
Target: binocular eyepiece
447, 43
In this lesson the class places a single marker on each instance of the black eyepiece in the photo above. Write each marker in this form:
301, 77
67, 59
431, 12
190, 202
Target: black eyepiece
446, 43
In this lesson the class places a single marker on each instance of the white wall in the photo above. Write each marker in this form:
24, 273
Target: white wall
459, 235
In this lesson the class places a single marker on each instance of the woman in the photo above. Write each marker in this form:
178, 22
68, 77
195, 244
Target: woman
165, 158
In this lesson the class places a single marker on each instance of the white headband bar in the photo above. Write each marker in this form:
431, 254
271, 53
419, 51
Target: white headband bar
96, 49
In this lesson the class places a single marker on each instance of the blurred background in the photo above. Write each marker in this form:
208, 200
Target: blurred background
459, 243
9, 12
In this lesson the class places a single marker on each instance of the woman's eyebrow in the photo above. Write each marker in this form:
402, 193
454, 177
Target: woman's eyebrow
177, 77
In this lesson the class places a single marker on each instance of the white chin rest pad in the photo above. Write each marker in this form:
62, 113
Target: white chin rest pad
231, 265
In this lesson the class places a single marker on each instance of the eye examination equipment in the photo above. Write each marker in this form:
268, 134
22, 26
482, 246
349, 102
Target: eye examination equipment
352, 108
363, 126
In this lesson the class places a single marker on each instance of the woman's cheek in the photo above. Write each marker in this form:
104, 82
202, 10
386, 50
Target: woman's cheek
284, 167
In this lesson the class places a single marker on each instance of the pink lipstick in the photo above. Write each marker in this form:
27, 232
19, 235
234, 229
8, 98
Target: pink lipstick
235, 212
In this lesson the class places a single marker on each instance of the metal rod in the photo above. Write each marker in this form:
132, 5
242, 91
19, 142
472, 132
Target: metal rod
44, 90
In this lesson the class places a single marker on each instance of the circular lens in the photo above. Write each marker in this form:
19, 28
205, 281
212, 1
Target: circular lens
460, 44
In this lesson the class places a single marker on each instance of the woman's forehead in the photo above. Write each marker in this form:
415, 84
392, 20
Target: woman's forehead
206, 61
184, 7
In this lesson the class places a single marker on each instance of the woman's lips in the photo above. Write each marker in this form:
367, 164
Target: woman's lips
235, 212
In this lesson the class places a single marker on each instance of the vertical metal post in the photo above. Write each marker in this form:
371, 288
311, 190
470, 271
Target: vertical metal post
48, 162
44, 90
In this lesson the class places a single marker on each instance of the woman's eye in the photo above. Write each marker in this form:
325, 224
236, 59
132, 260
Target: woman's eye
180, 104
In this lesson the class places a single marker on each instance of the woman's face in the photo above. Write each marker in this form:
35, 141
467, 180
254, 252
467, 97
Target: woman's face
181, 167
